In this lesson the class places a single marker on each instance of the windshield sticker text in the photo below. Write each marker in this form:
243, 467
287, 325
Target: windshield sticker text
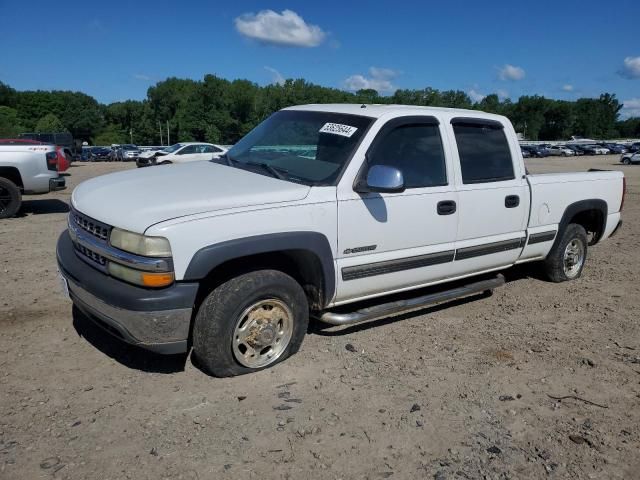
338, 129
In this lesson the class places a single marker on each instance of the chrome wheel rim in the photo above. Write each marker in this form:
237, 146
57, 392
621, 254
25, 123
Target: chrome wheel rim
262, 333
573, 258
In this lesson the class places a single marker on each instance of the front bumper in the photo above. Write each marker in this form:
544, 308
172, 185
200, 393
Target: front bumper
57, 183
157, 320
143, 162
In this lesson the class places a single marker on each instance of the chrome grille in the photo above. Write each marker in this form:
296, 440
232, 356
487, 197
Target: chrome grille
91, 255
89, 225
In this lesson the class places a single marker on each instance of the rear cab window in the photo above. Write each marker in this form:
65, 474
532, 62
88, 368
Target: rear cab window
483, 149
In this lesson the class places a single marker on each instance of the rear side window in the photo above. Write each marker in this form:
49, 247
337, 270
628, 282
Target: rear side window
484, 152
415, 150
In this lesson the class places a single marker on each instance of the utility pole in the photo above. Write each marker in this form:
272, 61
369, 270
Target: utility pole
131, 135
160, 128
168, 141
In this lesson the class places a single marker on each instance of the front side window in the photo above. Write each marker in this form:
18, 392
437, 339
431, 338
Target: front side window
415, 150
187, 150
306, 147
173, 148
484, 152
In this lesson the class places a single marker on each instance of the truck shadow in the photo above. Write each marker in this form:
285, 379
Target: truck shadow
42, 207
518, 272
123, 353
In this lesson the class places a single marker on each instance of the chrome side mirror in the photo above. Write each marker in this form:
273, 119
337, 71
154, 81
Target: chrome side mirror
382, 179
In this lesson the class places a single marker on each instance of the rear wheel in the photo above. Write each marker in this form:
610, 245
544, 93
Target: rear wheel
627, 161
249, 323
10, 198
567, 257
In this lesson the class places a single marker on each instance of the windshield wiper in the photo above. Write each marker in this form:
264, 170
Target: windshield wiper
272, 170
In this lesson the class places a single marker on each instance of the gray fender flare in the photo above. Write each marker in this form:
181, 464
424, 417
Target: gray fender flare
212, 256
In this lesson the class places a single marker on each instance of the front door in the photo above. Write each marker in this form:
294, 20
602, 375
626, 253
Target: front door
396, 241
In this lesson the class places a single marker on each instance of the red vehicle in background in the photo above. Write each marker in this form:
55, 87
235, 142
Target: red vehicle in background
63, 162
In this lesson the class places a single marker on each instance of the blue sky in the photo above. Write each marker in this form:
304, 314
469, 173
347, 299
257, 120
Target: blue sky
115, 50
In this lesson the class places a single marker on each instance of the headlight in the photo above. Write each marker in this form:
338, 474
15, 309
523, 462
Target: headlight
137, 277
140, 244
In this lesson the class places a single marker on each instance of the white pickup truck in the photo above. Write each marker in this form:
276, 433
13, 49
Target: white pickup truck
316, 210
26, 169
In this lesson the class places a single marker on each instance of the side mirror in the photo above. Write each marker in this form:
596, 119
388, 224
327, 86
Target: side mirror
382, 179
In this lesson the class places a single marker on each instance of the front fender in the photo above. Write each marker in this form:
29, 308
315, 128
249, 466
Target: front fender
210, 257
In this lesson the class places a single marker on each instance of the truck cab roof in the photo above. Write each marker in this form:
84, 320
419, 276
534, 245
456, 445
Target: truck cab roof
379, 110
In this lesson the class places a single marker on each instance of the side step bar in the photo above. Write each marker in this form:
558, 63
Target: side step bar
404, 306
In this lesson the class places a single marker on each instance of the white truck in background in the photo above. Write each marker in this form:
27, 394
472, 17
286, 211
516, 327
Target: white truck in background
338, 212
26, 169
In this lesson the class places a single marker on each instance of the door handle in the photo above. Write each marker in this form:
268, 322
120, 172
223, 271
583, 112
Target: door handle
446, 207
511, 201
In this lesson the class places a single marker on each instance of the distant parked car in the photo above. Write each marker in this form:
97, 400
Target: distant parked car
181, 153
615, 148
634, 147
630, 158
594, 150
538, 151
525, 153
99, 154
126, 153
601, 150
576, 149
560, 151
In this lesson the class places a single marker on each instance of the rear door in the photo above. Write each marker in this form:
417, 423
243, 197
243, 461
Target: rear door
395, 241
493, 195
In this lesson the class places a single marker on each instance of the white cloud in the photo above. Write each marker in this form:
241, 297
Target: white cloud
502, 94
475, 96
567, 87
141, 76
285, 29
631, 68
380, 79
511, 72
276, 76
631, 108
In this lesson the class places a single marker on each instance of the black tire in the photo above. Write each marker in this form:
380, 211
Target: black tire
166, 162
10, 198
554, 264
626, 161
215, 324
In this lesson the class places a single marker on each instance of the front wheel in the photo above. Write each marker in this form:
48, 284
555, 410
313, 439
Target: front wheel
249, 323
627, 161
10, 198
567, 257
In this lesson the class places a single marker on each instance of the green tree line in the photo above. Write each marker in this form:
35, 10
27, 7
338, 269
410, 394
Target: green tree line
222, 111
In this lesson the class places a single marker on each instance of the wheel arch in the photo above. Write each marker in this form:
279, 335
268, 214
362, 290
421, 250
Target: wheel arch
13, 174
590, 213
306, 256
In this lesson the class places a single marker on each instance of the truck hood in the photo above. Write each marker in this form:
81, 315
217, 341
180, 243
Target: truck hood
136, 199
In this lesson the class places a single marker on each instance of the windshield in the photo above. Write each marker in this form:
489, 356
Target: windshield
306, 147
172, 148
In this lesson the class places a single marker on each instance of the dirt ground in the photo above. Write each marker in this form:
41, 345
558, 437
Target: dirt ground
456, 391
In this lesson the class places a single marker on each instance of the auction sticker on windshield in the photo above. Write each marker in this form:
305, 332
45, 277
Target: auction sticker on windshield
338, 129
